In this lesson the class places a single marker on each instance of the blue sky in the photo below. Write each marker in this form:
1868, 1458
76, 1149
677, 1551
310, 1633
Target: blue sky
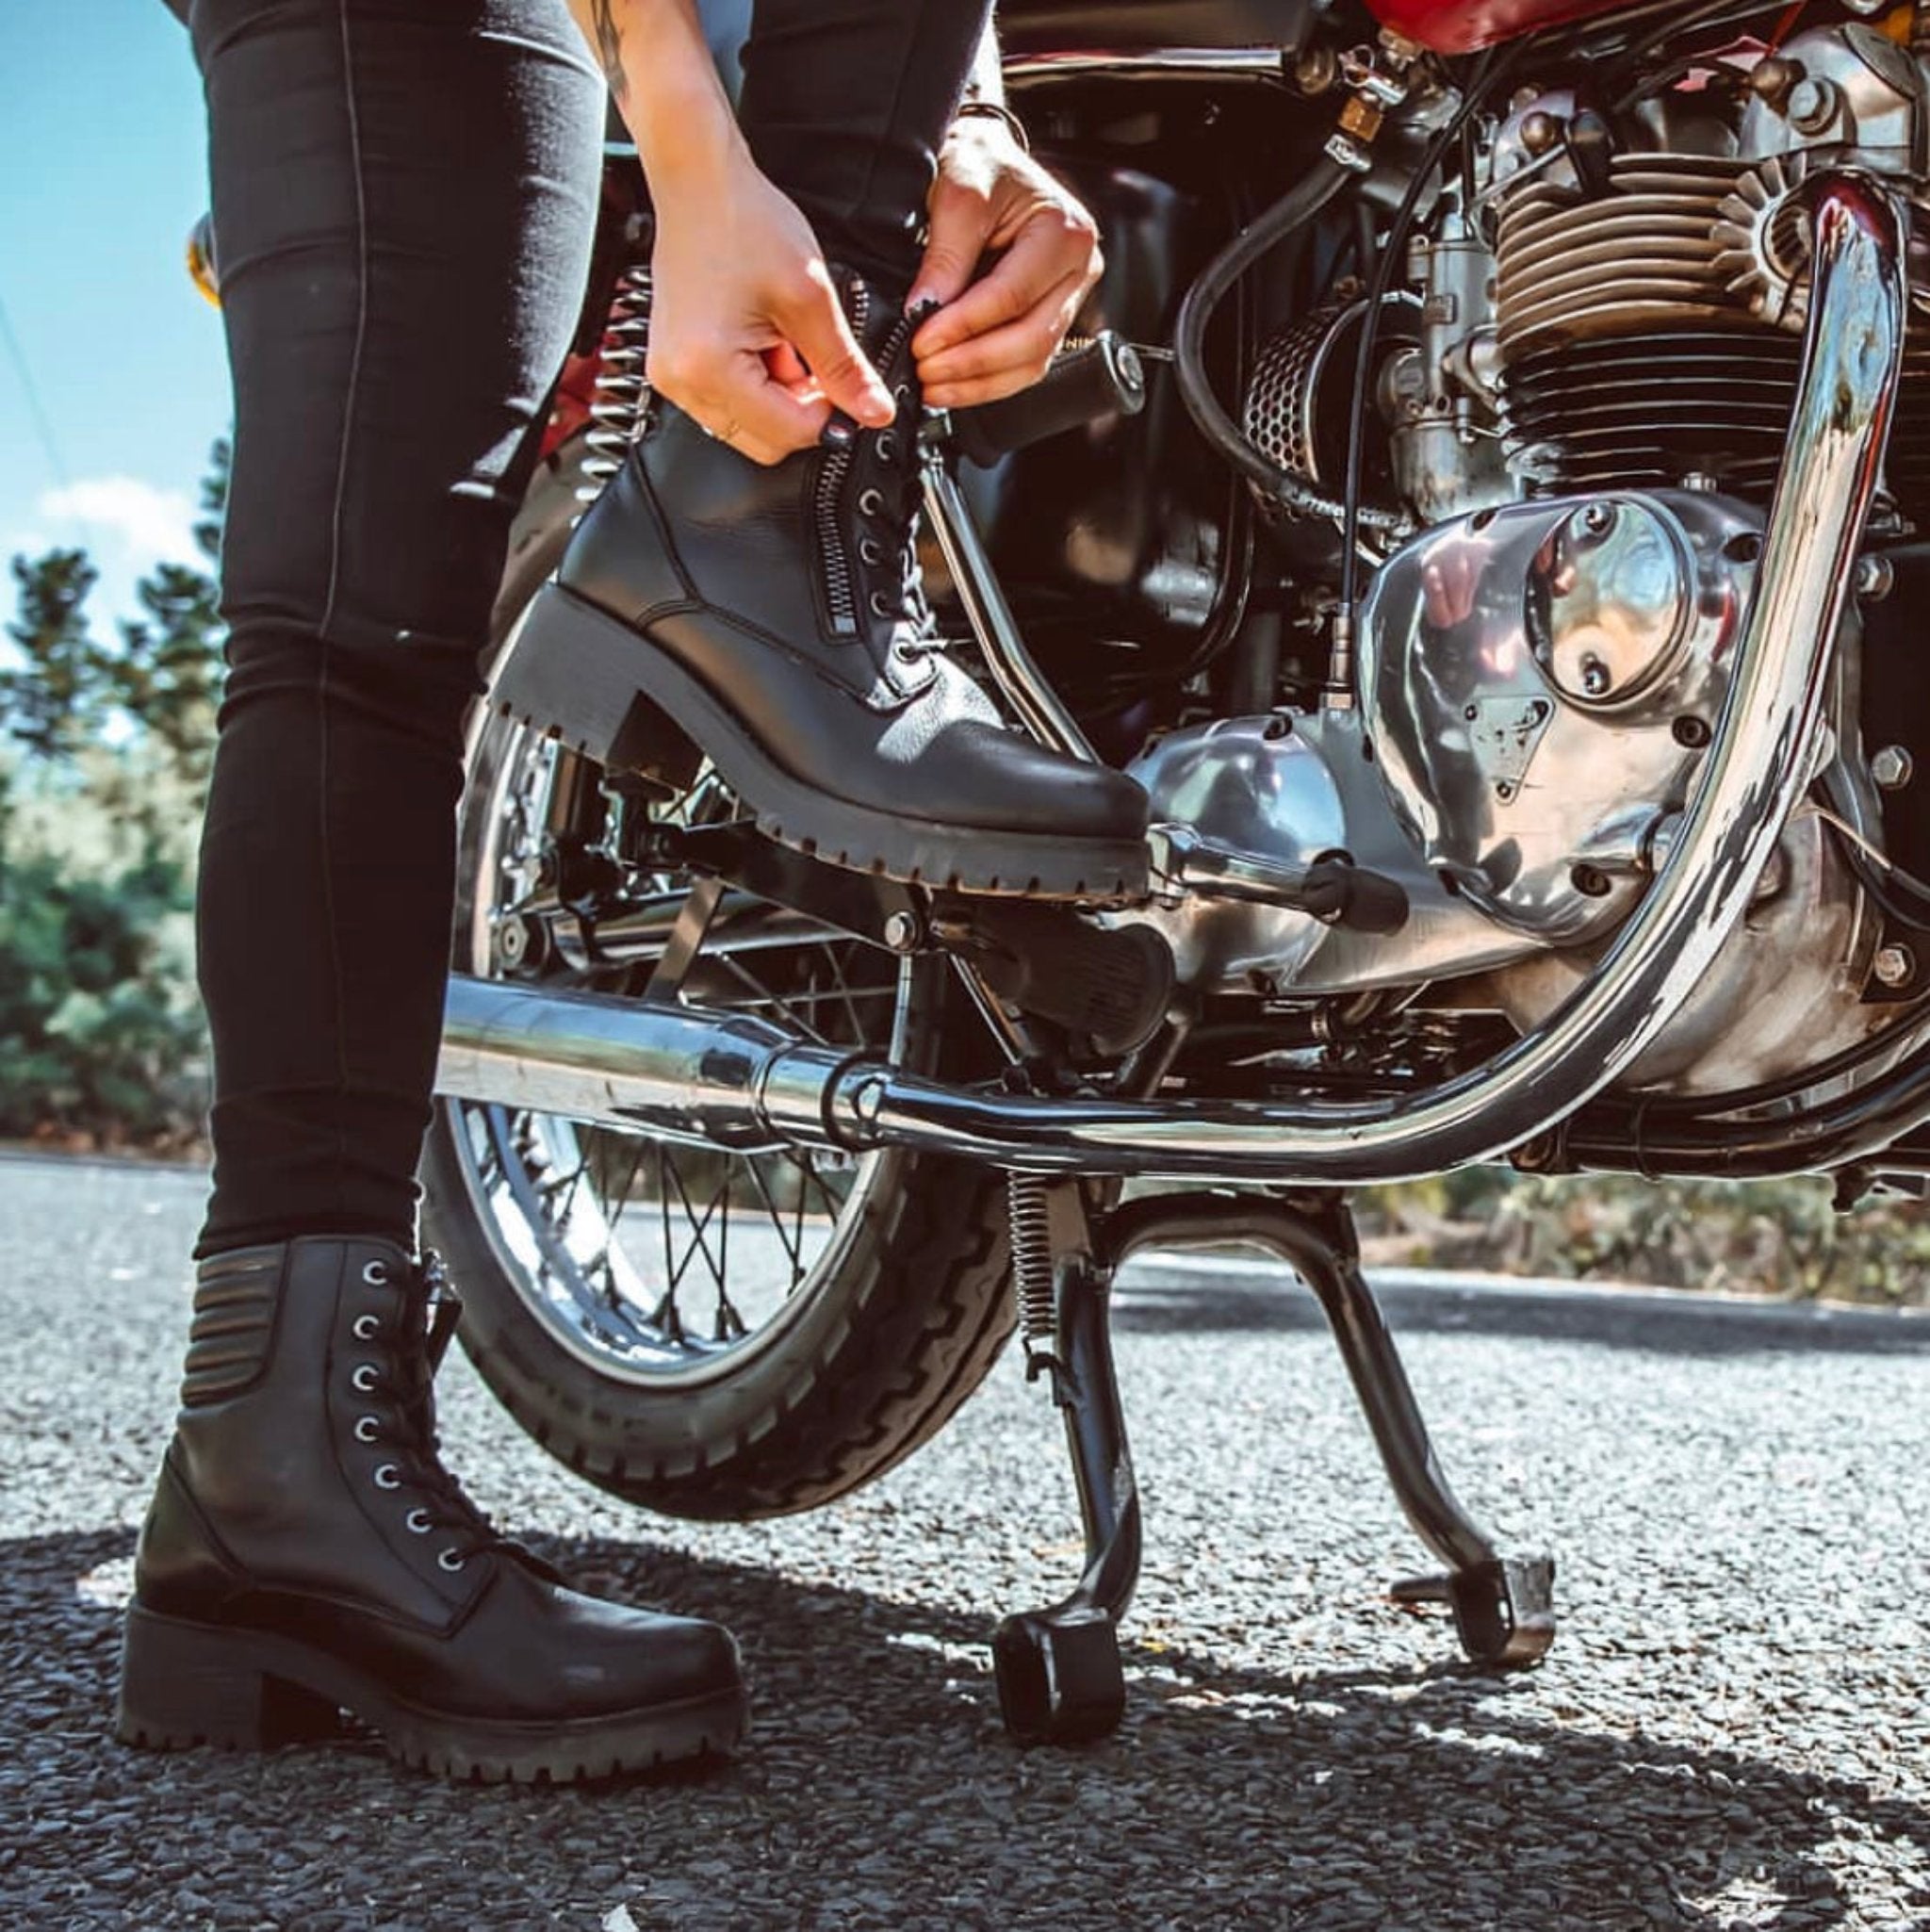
103, 171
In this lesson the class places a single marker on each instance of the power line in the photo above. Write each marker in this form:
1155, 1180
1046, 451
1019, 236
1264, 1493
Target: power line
42, 422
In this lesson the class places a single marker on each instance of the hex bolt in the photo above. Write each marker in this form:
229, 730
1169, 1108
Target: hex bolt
1875, 578
1598, 520
1894, 966
1772, 79
1892, 767
901, 931
1540, 131
1811, 105
1596, 679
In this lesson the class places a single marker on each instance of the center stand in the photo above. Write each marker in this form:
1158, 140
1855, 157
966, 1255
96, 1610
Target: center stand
1059, 1672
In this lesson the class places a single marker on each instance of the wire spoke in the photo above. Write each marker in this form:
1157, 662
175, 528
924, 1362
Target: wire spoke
585, 1193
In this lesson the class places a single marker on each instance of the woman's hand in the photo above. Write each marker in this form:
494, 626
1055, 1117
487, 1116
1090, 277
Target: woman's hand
746, 331
995, 336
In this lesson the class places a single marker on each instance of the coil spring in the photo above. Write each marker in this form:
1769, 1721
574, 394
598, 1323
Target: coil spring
617, 408
1028, 1206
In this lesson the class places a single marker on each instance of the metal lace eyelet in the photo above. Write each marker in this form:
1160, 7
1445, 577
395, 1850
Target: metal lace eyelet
870, 503
367, 1427
376, 1274
365, 1378
388, 1477
880, 604
419, 1522
871, 551
448, 1560
365, 1328
888, 448
902, 394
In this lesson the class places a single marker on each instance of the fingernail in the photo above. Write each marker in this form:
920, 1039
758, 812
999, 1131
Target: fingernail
837, 431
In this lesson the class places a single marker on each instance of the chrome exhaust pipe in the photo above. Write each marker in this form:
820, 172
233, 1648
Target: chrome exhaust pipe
715, 1079
736, 1082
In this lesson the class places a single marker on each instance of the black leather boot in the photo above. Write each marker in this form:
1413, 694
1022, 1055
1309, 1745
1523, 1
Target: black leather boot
306, 1553
773, 616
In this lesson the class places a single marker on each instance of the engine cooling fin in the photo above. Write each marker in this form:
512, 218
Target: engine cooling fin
1653, 331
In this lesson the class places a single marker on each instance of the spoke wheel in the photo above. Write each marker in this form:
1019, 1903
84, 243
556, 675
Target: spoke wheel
712, 1333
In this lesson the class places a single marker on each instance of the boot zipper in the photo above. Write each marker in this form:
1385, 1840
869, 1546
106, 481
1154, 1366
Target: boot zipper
840, 597
840, 600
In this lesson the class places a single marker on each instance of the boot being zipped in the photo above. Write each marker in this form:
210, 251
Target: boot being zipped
306, 1553
775, 617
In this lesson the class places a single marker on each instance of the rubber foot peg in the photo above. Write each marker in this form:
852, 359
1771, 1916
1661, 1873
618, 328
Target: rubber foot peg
1504, 1610
1059, 1676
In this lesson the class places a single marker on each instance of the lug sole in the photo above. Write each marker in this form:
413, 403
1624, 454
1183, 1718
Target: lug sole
606, 691
185, 1684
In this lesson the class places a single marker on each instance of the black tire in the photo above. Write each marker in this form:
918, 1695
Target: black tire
881, 1351
892, 1344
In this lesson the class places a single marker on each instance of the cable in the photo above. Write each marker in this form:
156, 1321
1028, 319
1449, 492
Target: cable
1266, 232
43, 423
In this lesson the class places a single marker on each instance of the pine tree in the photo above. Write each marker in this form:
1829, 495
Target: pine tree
53, 703
214, 499
168, 677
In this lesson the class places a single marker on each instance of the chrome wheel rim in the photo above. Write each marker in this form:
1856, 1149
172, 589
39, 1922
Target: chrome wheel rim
656, 1264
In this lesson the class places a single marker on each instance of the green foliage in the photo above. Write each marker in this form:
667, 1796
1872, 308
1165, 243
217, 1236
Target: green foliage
53, 704
1782, 1238
167, 673
101, 1034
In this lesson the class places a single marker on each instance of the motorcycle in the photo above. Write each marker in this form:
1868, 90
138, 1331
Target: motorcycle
1481, 508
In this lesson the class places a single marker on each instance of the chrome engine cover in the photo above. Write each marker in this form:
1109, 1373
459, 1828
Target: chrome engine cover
1484, 767
1538, 683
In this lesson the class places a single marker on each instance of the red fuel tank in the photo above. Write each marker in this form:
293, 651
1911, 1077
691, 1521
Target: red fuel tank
1460, 29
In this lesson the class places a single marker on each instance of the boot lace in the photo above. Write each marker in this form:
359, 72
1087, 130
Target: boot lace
431, 1311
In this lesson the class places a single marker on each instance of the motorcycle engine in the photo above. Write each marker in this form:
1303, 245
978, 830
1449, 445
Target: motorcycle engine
1585, 393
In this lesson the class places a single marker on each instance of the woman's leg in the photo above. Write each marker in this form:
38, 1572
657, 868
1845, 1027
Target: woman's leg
846, 104
403, 200
403, 191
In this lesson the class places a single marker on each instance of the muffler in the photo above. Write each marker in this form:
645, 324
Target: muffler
734, 1081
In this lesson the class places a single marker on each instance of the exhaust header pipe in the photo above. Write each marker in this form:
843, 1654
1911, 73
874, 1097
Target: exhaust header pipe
733, 1081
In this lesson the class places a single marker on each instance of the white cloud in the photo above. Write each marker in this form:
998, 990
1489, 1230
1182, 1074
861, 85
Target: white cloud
149, 525
127, 526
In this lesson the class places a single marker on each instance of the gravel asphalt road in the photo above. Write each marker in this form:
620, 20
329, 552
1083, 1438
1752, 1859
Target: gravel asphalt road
1733, 1729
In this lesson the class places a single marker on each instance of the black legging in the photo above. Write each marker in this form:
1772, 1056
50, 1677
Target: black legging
403, 198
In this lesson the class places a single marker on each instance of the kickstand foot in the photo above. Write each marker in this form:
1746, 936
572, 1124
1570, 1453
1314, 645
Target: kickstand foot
1503, 1607
1504, 1610
1060, 1677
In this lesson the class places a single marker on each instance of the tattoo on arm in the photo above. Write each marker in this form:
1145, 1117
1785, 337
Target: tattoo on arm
610, 48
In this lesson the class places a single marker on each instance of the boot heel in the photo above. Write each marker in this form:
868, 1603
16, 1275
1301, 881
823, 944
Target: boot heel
573, 672
184, 1684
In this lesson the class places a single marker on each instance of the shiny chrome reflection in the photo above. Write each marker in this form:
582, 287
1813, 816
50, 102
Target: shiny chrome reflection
717, 1078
